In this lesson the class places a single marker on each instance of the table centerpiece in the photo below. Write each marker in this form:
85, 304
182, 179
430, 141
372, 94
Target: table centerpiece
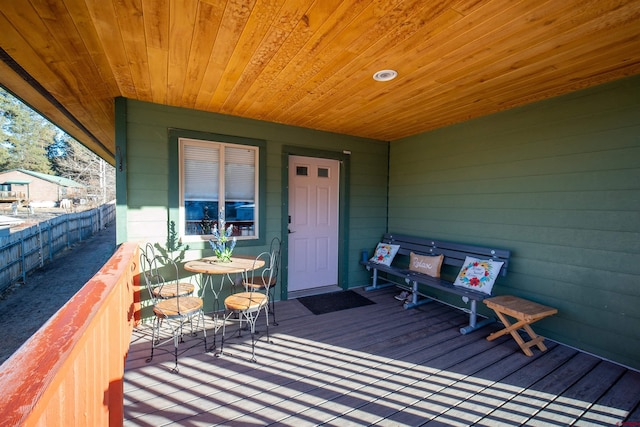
222, 242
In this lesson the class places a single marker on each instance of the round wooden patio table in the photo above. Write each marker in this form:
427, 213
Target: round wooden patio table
210, 268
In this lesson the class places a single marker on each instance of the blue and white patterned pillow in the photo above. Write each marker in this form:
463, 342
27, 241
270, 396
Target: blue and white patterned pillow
478, 274
384, 253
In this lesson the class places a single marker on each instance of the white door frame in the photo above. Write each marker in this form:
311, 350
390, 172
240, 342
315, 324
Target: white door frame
343, 249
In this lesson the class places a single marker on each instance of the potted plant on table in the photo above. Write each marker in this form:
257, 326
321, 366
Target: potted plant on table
222, 242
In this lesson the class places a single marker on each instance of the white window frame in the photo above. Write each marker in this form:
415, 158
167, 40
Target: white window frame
182, 142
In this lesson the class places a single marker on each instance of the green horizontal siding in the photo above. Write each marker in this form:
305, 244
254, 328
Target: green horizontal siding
557, 183
147, 175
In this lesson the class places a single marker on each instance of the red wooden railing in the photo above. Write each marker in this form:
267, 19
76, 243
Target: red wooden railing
71, 371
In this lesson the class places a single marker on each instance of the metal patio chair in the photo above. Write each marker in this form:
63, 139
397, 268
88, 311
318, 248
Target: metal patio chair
268, 278
251, 302
149, 265
171, 315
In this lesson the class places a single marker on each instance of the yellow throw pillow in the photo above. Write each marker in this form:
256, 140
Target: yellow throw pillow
426, 264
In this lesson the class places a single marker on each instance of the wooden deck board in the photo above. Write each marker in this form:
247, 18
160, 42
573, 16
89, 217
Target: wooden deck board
570, 405
371, 406
451, 384
477, 395
536, 397
374, 365
487, 403
620, 399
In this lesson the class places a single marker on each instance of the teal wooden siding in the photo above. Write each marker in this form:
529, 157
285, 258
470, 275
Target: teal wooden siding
556, 182
147, 170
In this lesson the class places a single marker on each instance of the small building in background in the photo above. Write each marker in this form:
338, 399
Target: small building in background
36, 189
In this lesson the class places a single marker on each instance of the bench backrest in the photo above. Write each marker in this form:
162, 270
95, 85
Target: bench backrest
454, 253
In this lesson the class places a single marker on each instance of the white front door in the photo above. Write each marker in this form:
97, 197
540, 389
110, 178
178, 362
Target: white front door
313, 223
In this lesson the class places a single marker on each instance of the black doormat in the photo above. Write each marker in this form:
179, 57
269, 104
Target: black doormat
334, 301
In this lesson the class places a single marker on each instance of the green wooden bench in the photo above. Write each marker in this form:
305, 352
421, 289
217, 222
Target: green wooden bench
454, 254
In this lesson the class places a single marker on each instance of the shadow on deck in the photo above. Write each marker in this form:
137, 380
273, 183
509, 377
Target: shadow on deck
377, 365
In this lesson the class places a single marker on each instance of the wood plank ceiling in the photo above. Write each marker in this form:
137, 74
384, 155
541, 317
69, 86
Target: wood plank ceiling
309, 63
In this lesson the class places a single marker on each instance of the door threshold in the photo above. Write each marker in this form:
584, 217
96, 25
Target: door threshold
313, 291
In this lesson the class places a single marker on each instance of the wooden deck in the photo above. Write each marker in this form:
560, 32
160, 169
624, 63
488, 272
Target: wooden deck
378, 365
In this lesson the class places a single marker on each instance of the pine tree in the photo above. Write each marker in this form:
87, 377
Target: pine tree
24, 136
28, 141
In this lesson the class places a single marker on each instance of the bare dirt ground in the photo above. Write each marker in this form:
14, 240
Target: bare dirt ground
37, 215
25, 307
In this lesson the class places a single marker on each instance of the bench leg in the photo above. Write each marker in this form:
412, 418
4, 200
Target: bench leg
513, 330
374, 282
415, 302
473, 312
473, 320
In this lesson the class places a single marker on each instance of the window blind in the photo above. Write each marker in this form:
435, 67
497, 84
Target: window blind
201, 172
239, 174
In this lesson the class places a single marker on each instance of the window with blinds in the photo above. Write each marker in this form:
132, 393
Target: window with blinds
219, 181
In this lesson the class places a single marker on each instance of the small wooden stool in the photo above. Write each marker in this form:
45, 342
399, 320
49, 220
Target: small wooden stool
526, 312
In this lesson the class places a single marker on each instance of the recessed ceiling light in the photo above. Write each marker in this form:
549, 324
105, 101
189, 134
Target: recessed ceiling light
385, 75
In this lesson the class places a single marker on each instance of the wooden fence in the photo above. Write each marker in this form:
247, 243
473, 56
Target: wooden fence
29, 249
